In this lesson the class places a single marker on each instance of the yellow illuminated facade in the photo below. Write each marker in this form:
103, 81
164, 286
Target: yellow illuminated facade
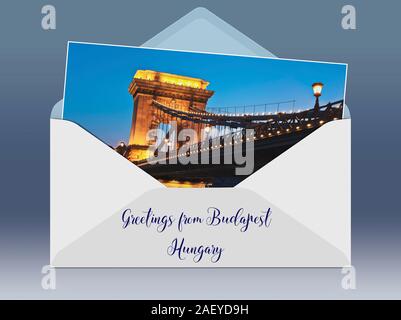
180, 92
171, 79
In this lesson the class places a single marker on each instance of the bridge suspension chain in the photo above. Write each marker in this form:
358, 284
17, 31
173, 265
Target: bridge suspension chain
273, 126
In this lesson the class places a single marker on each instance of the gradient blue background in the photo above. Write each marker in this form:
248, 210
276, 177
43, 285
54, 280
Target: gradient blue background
32, 65
96, 95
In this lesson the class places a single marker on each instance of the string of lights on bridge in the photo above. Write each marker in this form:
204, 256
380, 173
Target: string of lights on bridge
235, 138
236, 114
228, 114
267, 124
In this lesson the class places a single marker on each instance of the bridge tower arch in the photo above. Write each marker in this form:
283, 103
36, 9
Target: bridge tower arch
179, 92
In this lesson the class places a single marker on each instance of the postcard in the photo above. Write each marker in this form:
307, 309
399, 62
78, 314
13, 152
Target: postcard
194, 119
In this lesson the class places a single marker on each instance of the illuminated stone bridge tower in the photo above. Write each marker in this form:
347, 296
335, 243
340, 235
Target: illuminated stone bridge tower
178, 92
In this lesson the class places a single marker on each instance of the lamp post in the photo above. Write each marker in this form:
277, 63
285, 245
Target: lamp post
121, 148
317, 92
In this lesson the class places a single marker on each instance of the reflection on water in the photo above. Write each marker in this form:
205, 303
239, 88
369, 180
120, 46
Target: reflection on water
227, 182
184, 184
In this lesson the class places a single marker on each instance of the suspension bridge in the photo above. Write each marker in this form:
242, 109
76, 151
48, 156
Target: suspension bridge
161, 98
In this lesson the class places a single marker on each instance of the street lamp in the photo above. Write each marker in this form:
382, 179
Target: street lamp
317, 92
121, 148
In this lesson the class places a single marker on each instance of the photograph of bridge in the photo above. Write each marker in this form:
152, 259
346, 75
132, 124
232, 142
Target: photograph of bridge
195, 119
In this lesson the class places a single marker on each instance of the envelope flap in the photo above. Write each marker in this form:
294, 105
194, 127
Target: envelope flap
88, 176
193, 32
311, 183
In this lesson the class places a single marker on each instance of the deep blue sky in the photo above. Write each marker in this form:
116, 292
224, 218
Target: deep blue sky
98, 76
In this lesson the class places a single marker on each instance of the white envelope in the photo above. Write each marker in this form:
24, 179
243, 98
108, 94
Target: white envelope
308, 188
